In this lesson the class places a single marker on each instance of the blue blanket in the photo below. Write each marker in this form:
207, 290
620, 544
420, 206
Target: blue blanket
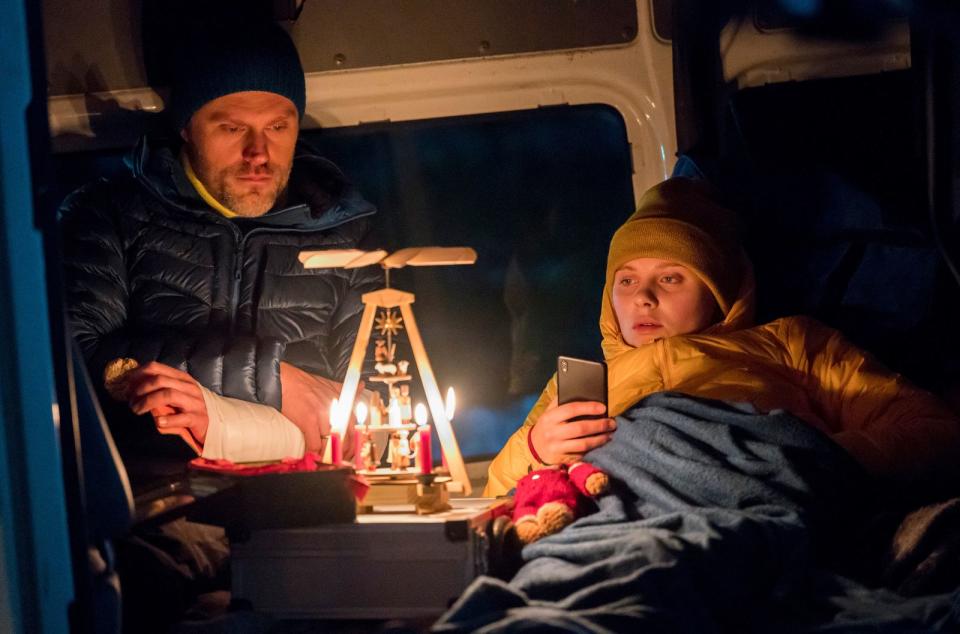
716, 523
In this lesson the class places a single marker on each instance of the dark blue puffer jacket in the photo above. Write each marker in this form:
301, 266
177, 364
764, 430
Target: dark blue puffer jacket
153, 273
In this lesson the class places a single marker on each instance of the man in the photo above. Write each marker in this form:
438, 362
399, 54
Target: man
189, 265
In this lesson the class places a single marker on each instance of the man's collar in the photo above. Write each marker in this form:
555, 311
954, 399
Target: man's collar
318, 193
201, 188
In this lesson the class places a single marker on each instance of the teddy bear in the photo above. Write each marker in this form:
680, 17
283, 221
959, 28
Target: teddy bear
548, 499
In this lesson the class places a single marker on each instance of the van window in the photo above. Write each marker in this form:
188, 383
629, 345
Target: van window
537, 193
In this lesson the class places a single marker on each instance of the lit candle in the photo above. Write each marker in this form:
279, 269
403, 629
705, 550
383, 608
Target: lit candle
336, 450
361, 412
425, 451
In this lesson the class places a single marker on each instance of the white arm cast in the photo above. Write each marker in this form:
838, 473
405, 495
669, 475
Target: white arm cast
240, 431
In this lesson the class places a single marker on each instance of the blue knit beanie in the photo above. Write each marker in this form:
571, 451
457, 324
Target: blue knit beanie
235, 58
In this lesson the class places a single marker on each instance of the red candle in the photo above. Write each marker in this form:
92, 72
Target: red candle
425, 457
336, 451
358, 448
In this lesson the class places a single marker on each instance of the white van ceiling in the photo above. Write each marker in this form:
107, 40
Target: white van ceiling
94, 46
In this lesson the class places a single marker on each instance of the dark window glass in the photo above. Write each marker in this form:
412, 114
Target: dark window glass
538, 194
662, 18
364, 33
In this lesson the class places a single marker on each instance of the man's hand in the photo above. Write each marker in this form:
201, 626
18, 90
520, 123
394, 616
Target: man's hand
306, 402
171, 396
559, 441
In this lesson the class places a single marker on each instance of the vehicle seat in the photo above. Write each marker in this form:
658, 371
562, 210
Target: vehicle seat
108, 502
826, 181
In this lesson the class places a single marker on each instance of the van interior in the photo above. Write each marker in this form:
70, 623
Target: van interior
527, 131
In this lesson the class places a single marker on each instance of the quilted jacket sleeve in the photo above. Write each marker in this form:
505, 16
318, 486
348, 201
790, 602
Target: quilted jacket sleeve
894, 429
97, 296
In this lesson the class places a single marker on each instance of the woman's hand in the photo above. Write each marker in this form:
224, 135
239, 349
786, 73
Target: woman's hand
559, 441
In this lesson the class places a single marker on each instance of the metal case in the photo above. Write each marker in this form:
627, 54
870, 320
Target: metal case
386, 565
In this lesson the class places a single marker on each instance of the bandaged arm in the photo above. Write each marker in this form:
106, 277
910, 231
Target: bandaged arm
241, 431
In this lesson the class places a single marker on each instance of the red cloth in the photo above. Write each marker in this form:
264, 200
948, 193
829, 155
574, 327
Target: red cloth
310, 462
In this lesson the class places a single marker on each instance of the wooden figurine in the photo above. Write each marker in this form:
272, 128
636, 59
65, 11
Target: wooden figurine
383, 357
404, 449
406, 406
377, 410
368, 453
394, 419
399, 450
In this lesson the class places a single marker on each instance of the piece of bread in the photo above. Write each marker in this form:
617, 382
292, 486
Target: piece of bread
115, 377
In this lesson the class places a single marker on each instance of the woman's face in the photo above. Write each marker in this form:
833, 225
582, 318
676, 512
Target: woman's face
656, 298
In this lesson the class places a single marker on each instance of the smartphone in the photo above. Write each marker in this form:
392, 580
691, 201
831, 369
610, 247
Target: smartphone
581, 380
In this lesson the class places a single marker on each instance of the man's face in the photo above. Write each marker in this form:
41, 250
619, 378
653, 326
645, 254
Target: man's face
656, 298
241, 147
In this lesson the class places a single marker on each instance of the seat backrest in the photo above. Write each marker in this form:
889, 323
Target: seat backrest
109, 501
826, 177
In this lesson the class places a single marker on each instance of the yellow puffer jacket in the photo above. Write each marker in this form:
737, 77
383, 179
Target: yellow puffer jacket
894, 429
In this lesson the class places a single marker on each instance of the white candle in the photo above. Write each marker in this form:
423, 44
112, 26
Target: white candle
393, 413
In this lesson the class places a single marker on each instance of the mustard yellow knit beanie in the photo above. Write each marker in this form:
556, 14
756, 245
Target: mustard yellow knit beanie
678, 220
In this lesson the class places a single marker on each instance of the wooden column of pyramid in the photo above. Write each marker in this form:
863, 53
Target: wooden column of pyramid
388, 298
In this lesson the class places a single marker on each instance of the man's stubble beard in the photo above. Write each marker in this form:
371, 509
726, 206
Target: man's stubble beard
249, 204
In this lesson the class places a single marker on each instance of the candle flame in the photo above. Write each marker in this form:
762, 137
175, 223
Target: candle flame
333, 413
420, 414
451, 404
361, 412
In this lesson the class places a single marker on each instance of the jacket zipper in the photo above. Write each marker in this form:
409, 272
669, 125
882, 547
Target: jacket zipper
235, 293
240, 240
664, 366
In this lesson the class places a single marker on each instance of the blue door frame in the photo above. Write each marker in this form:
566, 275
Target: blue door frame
36, 579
